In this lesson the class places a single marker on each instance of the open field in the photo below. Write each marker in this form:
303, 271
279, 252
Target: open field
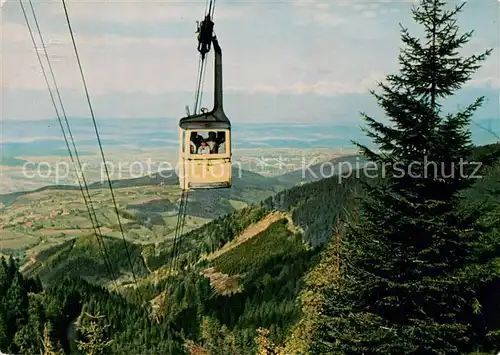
34, 221
39, 171
39, 220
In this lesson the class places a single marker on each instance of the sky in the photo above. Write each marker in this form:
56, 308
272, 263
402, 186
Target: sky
284, 61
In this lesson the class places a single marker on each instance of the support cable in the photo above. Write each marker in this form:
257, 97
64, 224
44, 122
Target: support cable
100, 146
88, 203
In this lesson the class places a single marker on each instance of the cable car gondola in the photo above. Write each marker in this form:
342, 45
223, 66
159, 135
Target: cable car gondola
205, 138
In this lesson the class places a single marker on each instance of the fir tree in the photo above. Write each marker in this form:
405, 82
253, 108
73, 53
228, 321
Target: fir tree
412, 266
217, 339
50, 347
28, 338
16, 305
4, 277
94, 342
4, 343
264, 345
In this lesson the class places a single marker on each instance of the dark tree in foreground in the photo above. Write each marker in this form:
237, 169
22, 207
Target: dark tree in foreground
412, 267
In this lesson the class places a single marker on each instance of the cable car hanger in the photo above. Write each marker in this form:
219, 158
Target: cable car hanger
205, 34
203, 165
205, 31
216, 118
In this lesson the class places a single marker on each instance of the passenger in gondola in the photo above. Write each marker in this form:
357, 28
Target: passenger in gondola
194, 142
212, 142
204, 148
221, 143
221, 137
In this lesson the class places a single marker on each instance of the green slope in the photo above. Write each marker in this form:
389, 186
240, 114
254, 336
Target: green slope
270, 267
148, 209
83, 257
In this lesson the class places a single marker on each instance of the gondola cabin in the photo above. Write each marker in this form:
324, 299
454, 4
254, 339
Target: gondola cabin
205, 156
205, 142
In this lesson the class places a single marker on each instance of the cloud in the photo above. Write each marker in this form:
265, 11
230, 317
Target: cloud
335, 13
369, 13
14, 33
284, 49
165, 64
489, 73
125, 12
327, 88
30, 139
110, 62
319, 13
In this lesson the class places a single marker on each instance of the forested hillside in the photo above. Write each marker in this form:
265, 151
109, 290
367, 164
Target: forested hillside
260, 278
215, 301
31, 222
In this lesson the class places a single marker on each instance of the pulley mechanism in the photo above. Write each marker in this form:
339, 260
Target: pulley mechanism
205, 31
205, 34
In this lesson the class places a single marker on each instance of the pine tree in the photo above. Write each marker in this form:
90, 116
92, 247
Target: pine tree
94, 342
312, 298
412, 266
4, 341
12, 268
28, 338
15, 304
49, 346
264, 345
4, 277
217, 339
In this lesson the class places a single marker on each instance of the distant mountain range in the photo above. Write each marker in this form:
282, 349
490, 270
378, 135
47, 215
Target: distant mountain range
45, 138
